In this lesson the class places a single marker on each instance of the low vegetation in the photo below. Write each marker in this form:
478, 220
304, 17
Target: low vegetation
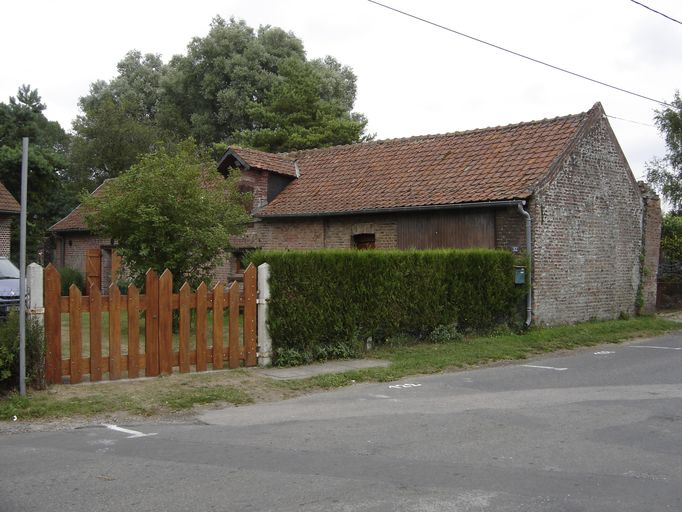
408, 356
327, 304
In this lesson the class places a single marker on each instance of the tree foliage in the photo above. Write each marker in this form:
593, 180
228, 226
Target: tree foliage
170, 210
307, 107
118, 121
235, 84
671, 237
49, 197
665, 174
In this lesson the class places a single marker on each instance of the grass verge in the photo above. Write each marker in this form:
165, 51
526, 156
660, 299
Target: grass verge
175, 393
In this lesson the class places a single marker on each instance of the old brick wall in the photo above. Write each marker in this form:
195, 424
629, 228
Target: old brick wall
71, 248
255, 181
587, 234
651, 247
5, 236
510, 229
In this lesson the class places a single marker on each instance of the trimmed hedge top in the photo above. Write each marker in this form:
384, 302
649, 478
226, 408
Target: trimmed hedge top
324, 298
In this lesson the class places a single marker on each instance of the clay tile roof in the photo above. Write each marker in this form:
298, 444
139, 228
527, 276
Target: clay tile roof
490, 164
7, 202
279, 163
75, 221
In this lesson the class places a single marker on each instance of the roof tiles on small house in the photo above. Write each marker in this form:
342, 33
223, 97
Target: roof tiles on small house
491, 164
7, 202
75, 221
278, 163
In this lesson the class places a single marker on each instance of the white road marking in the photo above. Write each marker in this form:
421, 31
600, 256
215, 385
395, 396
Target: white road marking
604, 352
133, 433
544, 367
653, 346
403, 386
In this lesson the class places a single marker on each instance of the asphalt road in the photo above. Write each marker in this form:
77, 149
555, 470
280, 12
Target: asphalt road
594, 430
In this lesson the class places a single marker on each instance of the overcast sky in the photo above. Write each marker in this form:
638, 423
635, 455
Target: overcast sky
413, 79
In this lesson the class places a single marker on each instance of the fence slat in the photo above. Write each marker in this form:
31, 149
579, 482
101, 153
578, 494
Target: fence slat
166, 322
114, 332
201, 327
53, 325
218, 326
133, 332
183, 342
95, 302
233, 326
75, 341
250, 343
151, 327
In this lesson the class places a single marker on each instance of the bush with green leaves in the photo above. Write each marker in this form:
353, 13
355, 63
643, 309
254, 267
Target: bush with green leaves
71, 276
325, 298
9, 352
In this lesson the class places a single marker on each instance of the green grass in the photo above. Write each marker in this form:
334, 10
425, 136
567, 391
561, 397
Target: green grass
183, 391
426, 358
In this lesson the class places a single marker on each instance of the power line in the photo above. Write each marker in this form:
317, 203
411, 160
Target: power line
517, 54
657, 12
630, 121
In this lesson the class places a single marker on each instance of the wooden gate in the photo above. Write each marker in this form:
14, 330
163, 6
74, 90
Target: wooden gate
143, 333
93, 269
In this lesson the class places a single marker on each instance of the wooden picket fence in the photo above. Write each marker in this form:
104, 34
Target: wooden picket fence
157, 304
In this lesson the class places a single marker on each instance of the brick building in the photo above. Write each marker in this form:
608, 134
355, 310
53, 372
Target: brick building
9, 208
593, 228
594, 231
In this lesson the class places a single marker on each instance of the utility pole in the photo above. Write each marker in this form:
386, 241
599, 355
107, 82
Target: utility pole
22, 269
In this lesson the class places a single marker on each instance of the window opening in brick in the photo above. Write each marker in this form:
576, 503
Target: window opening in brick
364, 241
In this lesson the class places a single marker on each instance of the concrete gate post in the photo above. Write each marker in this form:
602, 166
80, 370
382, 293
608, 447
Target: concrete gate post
264, 340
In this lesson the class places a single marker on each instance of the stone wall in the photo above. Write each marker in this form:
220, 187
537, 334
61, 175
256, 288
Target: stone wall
651, 247
587, 234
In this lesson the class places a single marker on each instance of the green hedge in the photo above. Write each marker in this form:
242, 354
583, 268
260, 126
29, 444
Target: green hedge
331, 301
9, 352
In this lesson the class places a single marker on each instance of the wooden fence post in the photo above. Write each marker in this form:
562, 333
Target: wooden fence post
95, 334
151, 326
264, 340
166, 322
53, 325
184, 328
218, 326
75, 336
133, 332
233, 326
202, 292
114, 332
250, 297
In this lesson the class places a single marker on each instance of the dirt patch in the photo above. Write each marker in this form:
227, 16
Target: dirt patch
152, 400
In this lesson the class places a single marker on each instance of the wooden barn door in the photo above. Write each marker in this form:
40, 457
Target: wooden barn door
93, 269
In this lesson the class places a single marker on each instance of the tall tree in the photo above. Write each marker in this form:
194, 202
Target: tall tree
48, 197
665, 174
208, 91
118, 121
309, 106
171, 210
234, 84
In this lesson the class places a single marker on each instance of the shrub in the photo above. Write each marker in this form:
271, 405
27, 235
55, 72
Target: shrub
445, 334
9, 352
71, 276
325, 298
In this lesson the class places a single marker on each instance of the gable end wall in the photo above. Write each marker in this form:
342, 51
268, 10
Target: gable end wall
587, 235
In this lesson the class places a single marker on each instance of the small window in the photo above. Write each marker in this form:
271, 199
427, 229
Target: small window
364, 241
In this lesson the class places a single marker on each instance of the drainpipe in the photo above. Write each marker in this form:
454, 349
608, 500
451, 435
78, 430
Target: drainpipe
529, 249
